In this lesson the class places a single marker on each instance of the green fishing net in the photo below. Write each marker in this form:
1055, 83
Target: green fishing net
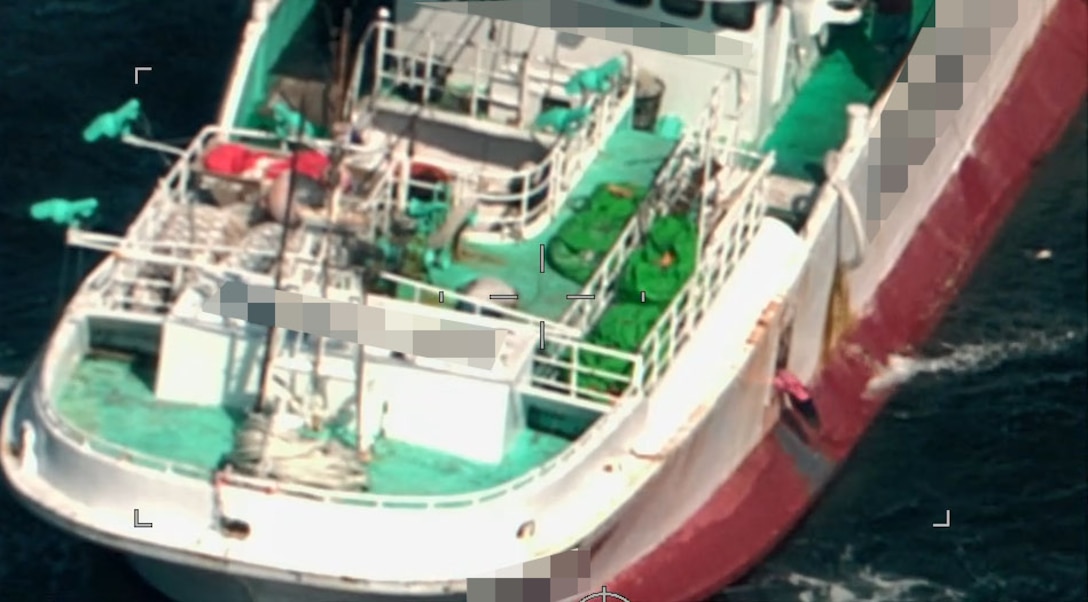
581, 242
659, 268
623, 326
663, 263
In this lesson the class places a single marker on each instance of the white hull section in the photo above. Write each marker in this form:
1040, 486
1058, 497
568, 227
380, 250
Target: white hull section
423, 551
187, 584
706, 414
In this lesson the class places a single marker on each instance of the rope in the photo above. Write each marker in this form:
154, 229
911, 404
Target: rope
261, 449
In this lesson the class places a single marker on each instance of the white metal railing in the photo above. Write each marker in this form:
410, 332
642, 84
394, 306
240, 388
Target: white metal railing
578, 151
536, 192
542, 188
126, 458
491, 65
689, 160
559, 371
566, 361
728, 240
534, 197
420, 292
142, 249
173, 188
720, 192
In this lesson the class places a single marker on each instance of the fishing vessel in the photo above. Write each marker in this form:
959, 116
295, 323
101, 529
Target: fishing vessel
701, 229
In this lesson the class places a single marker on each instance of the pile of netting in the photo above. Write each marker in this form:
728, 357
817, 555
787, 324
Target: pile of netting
274, 444
650, 279
581, 242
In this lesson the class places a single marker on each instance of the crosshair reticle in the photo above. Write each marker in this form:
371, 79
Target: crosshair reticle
604, 596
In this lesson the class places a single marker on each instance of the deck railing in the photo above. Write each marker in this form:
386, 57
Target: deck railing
519, 199
125, 458
420, 292
561, 366
142, 250
727, 241
559, 371
531, 191
689, 161
174, 188
491, 65
538, 191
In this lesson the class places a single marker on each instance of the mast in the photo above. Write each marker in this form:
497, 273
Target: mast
339, 23
332, 210
340, 89
270, 339
332, 206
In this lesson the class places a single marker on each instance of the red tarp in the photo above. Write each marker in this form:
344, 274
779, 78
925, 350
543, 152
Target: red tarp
237, 160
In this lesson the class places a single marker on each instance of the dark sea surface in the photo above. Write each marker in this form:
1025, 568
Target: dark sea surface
989, 424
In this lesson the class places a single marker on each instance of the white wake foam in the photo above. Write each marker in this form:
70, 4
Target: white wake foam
868, 585
971, 357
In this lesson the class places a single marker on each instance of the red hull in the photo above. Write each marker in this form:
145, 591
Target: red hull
752, 512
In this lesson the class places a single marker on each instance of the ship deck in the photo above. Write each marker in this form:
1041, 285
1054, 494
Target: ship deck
849, 72
111, 397
629, 157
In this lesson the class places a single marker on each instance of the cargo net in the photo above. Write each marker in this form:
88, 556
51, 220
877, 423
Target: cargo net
651, 277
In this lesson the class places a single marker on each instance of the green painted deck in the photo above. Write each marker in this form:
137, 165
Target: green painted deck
112, 398
851, 71
629, 156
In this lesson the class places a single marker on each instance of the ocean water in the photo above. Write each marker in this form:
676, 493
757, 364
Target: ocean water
989, 422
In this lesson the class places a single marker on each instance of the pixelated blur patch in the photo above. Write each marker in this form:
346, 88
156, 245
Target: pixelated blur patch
557, 578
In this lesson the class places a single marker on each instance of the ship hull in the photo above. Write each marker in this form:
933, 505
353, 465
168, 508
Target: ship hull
183, 583
759, 502
757, 505
665, 549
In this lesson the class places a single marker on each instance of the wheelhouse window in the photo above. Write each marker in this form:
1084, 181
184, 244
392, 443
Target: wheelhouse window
691, 9
635, 3
734, 15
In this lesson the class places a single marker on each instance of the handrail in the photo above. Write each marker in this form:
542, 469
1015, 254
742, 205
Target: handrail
419, 288
672, 178
539, 476
140, 244
563, 355
720, 258
565, 162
